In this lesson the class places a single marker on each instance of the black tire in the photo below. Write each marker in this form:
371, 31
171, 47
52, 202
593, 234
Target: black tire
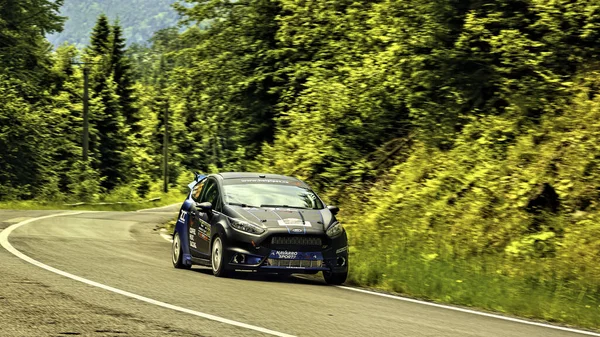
177, 253
218, 257
335, 278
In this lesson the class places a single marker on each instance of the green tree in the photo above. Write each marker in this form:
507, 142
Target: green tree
123, 77
100, 37
65, 119
23, 49
26, 77
109, 144
231, 65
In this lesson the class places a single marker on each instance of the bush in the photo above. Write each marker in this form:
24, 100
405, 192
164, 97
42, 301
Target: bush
86, 183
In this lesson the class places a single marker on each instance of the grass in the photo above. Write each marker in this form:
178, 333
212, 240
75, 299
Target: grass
478, 283
170, 225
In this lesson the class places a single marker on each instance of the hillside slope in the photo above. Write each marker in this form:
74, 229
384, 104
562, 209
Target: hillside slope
139, 18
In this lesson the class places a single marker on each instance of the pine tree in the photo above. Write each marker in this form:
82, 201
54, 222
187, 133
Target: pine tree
123, 76
100, 38
98, 53
65, 120
109, 145
112, 137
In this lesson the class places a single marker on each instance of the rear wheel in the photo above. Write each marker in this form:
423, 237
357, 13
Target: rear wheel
335, 278
177, 253
218, 258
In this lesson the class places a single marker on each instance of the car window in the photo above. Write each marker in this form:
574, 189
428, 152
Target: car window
271, 195
198, 190
210, 192
218, 207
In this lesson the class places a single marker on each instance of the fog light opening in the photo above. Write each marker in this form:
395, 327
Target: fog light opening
239, 258
341, 261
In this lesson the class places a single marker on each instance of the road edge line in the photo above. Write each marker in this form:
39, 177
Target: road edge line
161, 207
6, 245
473, 312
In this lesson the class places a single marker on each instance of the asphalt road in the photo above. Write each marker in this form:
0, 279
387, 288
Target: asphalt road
133, 290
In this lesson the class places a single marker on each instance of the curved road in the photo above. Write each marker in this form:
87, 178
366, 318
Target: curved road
133, 290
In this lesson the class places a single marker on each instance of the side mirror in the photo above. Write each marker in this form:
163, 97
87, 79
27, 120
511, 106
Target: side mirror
204, 207
333, 209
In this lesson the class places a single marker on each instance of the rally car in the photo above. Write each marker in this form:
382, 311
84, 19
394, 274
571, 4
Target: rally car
259, 223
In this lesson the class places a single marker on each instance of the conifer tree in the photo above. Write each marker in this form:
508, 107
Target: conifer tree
110, 149
100, 39
121, 66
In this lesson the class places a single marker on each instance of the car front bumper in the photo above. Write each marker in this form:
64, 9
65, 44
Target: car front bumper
332, 257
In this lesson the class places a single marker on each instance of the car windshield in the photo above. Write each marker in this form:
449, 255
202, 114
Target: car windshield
271, 195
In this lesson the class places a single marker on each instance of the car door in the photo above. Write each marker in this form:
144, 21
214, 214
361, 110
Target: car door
210, 193
193, 217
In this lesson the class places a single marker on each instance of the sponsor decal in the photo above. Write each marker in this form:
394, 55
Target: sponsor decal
267, 181
192, 244
293, 222
191, 238
284, 254
341, 250
204, 236
297, 230
287, 255
182, 216
192, 231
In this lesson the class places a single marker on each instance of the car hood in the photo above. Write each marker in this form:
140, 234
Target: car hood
283, 217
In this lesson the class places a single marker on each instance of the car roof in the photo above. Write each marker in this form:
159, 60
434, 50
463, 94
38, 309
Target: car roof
246, 175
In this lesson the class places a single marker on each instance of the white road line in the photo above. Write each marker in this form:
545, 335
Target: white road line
166, 235
163, 213
154, 208
4, 242
473, 312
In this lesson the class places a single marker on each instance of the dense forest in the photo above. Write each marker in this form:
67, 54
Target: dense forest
138, 18
461, 138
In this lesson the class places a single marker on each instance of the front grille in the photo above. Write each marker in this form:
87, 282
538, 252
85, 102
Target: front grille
294, 263
296, 241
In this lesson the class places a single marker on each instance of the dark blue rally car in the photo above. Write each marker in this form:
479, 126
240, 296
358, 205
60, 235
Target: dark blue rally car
262, 223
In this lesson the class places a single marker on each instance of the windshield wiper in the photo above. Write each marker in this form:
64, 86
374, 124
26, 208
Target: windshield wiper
240, 204
284, 206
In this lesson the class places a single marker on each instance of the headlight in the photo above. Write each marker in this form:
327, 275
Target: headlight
246, 226
335, 229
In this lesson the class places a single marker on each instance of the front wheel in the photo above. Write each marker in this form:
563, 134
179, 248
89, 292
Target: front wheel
335, 278
217, 258
177, 253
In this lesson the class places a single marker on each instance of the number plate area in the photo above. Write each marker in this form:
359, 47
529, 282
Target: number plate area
290, 259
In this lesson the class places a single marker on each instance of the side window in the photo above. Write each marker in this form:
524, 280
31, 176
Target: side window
211, 193
218, 206
197, 190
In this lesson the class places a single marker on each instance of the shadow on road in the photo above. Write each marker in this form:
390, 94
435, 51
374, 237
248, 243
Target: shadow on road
260, 277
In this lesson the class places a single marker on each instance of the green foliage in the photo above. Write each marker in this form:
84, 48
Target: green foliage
86, 183
487, 200
123, 77
23, 50
100, 38
22, 128
115, 113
